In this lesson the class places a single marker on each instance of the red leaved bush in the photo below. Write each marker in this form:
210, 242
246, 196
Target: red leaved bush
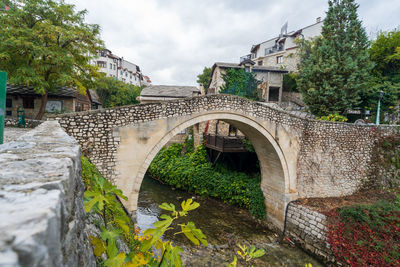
366, 235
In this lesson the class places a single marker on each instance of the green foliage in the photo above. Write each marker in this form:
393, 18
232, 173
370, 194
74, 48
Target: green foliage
385, 53
241, 83
290, 83
193, 173
100, 198
114, 93
370, 96
333, 117
335, 67
374, 215
47, 44
205, 78
247, 145
247, 254
189, 141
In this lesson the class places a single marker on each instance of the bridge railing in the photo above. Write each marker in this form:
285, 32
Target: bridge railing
225, 143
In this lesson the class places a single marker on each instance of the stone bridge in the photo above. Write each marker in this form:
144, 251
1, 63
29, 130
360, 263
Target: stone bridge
298, 157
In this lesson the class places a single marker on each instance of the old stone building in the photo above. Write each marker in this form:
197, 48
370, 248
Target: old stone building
282, 50
271, 78
64, 99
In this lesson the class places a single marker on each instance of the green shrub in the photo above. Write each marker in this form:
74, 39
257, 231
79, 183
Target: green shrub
333, 117
193, 173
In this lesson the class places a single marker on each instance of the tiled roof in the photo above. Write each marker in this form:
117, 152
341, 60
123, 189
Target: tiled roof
174, 91
254, 68
94, 96
227, 65
25, 90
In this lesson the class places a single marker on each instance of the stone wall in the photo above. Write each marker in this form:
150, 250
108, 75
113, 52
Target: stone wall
309, 229
13, 122
333, 159
293, 97
42, 215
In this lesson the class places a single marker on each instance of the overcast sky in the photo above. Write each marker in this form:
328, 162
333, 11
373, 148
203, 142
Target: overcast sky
172, 40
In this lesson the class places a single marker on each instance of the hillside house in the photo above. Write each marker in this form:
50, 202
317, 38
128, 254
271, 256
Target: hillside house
282, 50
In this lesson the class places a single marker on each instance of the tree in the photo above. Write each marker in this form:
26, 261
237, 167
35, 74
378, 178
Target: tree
114, 93
241, 83
335, 67
385, 53
205, 78
46, 44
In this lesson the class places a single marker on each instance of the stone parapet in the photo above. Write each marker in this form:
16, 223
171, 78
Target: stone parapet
13, 122
41, 208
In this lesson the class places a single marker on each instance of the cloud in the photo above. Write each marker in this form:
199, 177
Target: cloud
172, 41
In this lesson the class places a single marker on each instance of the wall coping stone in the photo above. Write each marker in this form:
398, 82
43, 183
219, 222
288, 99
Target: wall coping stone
41, 209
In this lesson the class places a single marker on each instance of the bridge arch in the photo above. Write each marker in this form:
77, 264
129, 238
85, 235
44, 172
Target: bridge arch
276, 182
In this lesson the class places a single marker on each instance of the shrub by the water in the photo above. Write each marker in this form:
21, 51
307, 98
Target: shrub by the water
193, 173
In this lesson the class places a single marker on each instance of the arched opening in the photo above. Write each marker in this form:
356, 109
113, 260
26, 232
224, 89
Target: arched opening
140, 144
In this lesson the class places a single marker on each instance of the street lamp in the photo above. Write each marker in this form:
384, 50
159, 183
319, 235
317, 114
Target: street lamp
378, 113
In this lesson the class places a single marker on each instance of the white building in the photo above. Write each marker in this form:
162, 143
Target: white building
282, 51
119, 68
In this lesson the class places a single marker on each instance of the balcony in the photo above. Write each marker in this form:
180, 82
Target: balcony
228, 144
274, 49
246, 57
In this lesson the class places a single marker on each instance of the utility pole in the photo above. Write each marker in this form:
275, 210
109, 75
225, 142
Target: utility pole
3, 83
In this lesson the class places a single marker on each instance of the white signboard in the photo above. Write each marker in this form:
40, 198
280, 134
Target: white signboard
53, 106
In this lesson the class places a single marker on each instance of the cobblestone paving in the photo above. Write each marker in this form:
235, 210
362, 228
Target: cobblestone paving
12, 133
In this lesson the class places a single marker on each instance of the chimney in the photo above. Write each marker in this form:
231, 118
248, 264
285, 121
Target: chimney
318, 19
202, 92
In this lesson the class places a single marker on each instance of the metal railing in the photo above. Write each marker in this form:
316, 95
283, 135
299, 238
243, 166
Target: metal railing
225, 143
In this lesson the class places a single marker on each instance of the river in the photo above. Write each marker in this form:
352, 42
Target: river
224, 225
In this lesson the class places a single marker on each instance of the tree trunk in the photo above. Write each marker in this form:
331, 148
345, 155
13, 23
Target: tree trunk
42, 107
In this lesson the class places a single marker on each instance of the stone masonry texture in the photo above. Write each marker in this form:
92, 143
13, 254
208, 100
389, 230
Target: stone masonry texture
333, 158
309, 229
42, 214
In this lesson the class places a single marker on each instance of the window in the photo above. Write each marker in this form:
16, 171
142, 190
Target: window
8, 112
126, 74
259, 63
114, 67
247, 69
28, 102
8, 103
279, 59
121, 72
110, 66
101, 64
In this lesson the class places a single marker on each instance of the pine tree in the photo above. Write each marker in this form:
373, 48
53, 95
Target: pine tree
335, 67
